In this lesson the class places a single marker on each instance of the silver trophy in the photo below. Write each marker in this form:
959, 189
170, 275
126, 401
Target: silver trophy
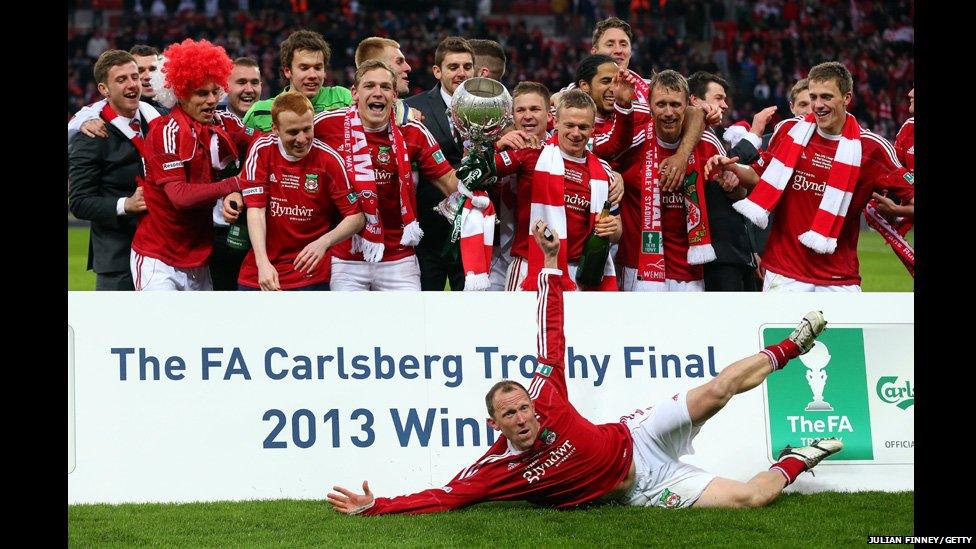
480, 109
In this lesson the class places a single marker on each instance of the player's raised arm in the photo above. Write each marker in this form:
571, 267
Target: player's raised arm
551, 341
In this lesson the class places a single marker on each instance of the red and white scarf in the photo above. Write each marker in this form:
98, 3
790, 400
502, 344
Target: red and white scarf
641, 88
549, 205
844, 171
892, 236
650, 262
362, 174
148, 114
477, 237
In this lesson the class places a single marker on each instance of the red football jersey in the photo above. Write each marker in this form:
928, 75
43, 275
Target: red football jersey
178, 150
301, 198
424, 153
579, 222
673, 221
905, 144
572, 462
785, 255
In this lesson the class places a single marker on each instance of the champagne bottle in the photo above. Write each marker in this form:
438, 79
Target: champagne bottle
594, 257
237, 237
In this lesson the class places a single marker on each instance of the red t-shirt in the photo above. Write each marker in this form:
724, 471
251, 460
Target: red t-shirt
572, 462
301, 198
785, 255
905, 144
424, 153
674, 225
579, 222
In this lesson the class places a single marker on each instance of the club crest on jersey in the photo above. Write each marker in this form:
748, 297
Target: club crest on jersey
383, 155
548, 436
311, 183
669, 498
544, 370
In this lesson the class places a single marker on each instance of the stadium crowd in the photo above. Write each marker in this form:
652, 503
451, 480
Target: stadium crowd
166, 152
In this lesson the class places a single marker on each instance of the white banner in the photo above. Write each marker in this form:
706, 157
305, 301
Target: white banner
226, 396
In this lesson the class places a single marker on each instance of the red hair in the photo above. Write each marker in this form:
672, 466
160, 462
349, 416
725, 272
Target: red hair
191, 65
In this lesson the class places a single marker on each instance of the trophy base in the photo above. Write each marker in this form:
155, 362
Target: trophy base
819, 407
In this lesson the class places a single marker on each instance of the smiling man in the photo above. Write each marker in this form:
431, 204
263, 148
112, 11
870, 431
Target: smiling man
103, 173
550, 455
305, 59
173, 242
817, 176
295, 185
565, 179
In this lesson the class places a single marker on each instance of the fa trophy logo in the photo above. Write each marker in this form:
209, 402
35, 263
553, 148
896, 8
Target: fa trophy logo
816, 361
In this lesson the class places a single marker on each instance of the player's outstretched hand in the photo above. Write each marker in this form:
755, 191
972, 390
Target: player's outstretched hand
349, 502
718, 163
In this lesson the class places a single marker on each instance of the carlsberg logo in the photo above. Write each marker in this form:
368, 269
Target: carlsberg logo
897, 391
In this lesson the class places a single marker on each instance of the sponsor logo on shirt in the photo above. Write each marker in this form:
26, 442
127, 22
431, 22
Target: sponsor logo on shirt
909, 177
172, 165
543, 370
295, 212
311, 183
352, 198
273, 178
438, 156
803, 182
505, 158
252, 190
538, 468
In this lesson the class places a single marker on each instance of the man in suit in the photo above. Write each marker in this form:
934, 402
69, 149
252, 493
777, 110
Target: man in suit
736, 261
103, 172
453, 64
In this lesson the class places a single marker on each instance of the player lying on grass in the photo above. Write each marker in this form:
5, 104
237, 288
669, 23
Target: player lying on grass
551, 455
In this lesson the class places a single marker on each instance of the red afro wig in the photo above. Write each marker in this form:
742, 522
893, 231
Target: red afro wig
190, 65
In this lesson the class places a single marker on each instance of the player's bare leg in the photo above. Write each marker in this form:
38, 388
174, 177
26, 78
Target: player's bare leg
706, 400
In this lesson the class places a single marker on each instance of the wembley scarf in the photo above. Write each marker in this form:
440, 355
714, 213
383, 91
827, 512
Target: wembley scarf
650, 262
829, 219
898, 244
549, 205
359, 167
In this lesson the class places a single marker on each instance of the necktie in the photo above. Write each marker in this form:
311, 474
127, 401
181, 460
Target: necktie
134, 124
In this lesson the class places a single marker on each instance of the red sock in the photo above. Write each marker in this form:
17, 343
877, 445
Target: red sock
790, 467
781, 353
